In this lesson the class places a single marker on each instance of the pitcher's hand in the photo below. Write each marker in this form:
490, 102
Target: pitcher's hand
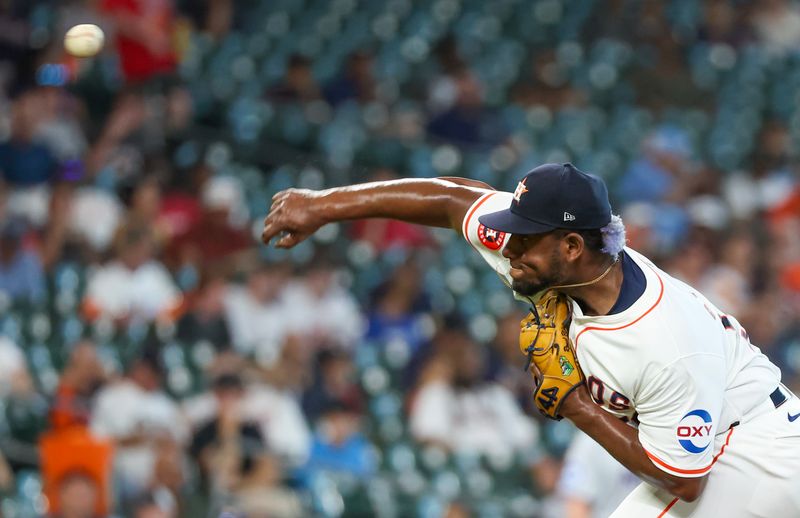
295, 214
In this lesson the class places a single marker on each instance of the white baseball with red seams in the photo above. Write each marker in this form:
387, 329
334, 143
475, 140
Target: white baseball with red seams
686, 375
84, 40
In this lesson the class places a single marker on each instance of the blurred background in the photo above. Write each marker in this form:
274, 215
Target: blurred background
157, 361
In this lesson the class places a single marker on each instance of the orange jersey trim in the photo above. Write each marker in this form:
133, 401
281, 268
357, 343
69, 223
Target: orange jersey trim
595, 328
465, 225
700, 471
666, 509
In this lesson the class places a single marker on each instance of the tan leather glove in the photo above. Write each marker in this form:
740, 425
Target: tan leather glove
544, 338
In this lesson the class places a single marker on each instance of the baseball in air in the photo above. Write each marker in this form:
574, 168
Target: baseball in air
84, 40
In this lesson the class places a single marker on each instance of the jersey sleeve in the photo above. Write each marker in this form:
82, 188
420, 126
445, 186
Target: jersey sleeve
678, 413
486, 241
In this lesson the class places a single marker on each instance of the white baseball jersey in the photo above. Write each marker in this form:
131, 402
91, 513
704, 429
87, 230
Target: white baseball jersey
671, 363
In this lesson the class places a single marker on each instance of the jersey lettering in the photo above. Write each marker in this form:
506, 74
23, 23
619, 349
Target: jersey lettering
726, 322
597, 390
619, 402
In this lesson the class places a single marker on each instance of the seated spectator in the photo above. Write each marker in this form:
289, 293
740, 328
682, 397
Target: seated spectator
455, 408
320, 307
59, 127
661, 171
592, 482
357, 82
136, 414
468, 122
227, 443
78, 495
218, 242
133, 285
234, 458
74, 456
212, 17
441, 88
293, 370
95, 216
205, 316
777, 25
180, 207
25, 418
24, 161
21, 272
547, 84
398, 309
728, 283
275, 413
722, 23
298, 84
340, 447
282, 422
80, 380
334, 380
256, 313
142, 197
691, 260
12, 363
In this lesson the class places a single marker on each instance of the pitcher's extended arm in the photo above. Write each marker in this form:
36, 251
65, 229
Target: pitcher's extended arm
298, 213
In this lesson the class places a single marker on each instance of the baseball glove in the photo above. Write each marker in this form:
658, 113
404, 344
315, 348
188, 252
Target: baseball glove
544, 337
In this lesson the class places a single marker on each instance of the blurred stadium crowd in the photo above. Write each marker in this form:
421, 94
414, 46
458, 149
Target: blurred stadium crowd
374, 370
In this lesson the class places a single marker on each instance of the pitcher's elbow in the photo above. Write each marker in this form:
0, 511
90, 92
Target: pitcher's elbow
690, 489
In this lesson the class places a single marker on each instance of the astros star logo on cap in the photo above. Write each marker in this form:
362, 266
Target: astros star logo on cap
521, 189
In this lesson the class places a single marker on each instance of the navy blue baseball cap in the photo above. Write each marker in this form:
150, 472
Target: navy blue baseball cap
554, 196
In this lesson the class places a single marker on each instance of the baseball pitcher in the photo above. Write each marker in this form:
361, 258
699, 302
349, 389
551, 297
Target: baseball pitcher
644, 364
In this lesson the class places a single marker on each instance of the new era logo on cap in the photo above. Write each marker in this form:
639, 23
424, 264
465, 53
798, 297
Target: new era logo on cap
568, 217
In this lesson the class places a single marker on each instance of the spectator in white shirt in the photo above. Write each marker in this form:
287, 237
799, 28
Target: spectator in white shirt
256, 314
455, 408
133, 286
138, 416
320, 307
12, 364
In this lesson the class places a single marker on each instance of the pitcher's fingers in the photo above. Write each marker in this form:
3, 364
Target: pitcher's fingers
287, 241
280, 194
271, 229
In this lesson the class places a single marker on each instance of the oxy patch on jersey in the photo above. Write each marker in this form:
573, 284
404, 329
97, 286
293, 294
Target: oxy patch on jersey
491, 238
694, 431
